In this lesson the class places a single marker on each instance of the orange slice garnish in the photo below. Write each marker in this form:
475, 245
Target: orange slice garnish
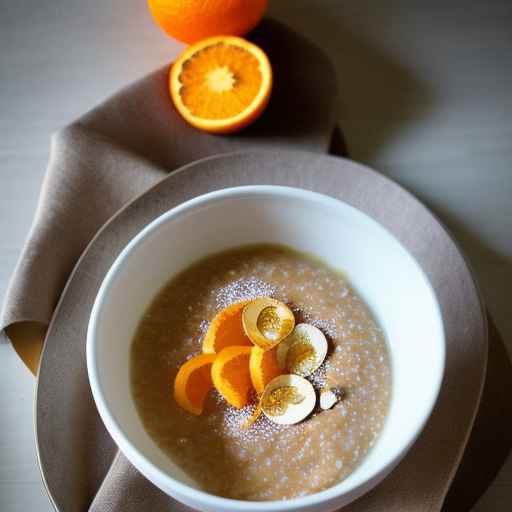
221, 84
251, 420
231, 376
226, 329
263, 367
193, 382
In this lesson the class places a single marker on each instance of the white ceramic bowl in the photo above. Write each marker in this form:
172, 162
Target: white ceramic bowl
380, 269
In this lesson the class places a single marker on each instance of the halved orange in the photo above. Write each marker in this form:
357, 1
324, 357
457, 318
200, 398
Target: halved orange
193, 382
221, 84
263, 367
231, 376
226, 329
191, 20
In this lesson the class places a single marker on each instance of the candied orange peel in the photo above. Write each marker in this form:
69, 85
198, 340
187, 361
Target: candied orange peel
254, 352
193, 382
226, 329
277, 401
253, 417
263, 367
267, 321
231, 376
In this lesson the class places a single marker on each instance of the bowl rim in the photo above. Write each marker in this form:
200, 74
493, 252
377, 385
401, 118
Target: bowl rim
358, 487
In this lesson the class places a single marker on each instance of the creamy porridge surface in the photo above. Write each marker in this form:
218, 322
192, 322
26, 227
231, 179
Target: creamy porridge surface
266, 461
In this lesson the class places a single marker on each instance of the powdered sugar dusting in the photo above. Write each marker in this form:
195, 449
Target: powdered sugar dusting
319, 377
328, 327
265, 460
243, 289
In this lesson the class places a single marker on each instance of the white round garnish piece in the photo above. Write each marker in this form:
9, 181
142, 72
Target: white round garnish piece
303, 351
288, 399
328, 399
267, 322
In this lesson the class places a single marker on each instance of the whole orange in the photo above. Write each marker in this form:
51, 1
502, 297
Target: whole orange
192, 20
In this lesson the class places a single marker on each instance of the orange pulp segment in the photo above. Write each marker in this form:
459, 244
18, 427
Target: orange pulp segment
231, 376
226, 329
193, 382
221, 84
263, 367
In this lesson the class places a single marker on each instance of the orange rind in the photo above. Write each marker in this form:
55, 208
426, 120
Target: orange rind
221, 84
226, 329
263, 367
253, 417
191, 20
231, 376
193, 382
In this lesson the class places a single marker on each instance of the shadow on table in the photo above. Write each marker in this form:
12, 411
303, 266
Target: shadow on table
490, 442
142, 122
375, 87
491, 439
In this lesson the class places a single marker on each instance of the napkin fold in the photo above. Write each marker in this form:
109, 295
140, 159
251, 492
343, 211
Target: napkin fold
123, 147
118, 151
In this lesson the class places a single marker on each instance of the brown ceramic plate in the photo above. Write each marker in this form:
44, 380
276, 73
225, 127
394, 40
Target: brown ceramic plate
75, 450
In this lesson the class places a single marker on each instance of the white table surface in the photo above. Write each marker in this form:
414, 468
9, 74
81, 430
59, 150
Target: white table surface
426, 98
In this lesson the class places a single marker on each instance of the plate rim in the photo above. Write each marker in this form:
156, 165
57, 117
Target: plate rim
290, 155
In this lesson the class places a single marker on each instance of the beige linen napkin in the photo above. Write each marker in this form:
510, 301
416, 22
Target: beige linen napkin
84, 185
123, 147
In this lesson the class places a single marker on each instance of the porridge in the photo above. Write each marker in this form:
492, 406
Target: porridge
233, 451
